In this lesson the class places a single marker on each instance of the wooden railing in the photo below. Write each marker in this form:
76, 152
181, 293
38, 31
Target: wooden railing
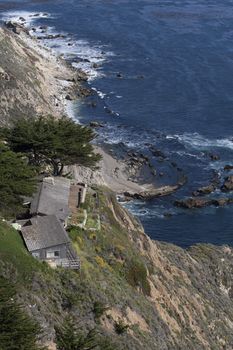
69, 263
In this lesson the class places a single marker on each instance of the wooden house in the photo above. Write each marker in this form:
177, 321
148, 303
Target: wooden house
52, 198
46, 239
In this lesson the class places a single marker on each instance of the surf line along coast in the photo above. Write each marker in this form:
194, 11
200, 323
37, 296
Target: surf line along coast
61, 84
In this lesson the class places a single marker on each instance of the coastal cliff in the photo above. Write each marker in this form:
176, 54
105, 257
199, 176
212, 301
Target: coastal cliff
33, 81
132, 290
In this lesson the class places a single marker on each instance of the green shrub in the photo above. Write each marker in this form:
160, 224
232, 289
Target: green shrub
136, 276
120, 327
99, 309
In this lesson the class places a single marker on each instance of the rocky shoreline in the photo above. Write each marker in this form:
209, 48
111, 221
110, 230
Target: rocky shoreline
126, 176
132, 175
60, 83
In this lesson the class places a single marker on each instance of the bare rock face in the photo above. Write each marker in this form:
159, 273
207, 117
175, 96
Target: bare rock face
31, 80
4, 75
16, 27
228, 184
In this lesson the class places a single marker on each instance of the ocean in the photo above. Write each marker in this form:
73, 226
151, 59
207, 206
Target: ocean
163, 76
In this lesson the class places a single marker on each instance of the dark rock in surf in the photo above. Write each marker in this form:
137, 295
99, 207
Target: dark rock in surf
108, 110
51, 36
204, 190
44, 27
228, 167
214, 157
228, 184
167, 215
157, 153
220, 202
92, 104
191, 203
95, 124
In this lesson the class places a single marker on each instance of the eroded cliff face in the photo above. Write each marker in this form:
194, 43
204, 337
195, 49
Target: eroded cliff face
32, 80
190, 293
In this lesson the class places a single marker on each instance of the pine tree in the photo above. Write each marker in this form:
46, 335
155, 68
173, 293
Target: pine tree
68, 337
17, 330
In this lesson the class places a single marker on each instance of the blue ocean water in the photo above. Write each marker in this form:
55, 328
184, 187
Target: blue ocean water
165, 70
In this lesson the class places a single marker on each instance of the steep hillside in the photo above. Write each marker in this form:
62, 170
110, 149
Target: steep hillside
32, 81
170, 298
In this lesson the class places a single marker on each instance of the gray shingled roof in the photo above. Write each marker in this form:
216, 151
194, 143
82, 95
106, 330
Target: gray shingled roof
44, 232
52, 198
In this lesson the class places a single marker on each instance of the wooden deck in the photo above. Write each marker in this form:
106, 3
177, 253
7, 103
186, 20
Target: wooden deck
74, 198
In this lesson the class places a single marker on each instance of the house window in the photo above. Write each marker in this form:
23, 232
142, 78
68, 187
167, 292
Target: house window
52, 254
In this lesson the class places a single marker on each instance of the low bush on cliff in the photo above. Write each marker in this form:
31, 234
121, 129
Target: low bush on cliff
136, 276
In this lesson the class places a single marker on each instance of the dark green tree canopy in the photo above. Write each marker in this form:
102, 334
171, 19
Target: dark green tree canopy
17, 330
50, 141
17, 179
70, 337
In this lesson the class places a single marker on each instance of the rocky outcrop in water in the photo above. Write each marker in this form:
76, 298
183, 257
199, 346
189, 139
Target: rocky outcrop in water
190, 203
228, 184
204, 190
228, 167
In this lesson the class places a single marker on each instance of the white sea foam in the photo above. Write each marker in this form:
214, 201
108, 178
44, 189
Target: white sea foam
187, 154
139, 209
198, 141
89, 58
99, 93
29, 17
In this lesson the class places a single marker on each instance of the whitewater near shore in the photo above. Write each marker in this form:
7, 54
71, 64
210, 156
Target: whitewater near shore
59, 84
